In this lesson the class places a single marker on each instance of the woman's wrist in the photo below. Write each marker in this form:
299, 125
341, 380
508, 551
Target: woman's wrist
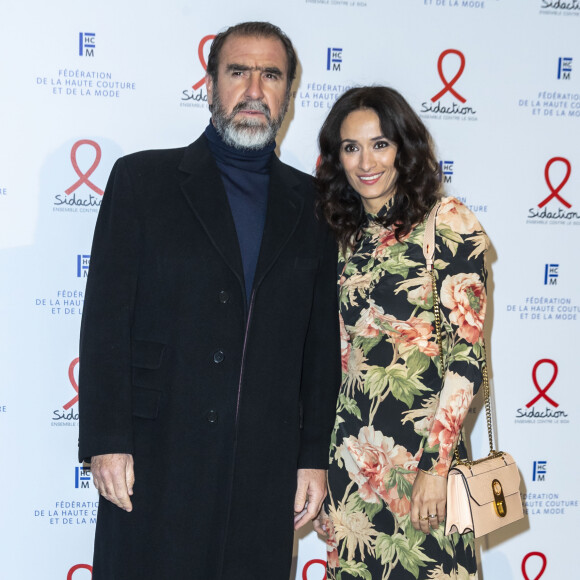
432, 473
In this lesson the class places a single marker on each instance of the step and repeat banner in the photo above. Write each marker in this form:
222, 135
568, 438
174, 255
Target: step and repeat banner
496, 81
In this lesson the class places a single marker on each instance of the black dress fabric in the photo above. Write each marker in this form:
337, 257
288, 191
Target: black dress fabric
395, 414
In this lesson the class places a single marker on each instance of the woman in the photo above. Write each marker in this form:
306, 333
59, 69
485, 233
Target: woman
397, 422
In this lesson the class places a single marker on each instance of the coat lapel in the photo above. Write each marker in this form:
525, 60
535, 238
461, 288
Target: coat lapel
282, 216
206, 195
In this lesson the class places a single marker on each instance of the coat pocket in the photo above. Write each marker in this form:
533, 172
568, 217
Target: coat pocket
145, 403
146, 359
147, 354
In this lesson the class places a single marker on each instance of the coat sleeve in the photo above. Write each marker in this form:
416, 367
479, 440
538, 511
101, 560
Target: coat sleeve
321, 365
105, 419
461, 247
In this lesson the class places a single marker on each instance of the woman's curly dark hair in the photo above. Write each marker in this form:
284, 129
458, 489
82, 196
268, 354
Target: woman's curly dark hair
417, 184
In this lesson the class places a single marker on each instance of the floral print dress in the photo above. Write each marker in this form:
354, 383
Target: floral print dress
394, 413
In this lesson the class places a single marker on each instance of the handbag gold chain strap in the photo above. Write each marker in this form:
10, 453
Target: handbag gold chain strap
429, 252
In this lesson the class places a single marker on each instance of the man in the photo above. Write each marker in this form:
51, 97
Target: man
209, 342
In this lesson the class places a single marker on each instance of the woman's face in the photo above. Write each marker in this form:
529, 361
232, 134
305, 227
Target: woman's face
368, 158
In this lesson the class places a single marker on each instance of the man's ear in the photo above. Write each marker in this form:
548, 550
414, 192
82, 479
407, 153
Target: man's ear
209, 85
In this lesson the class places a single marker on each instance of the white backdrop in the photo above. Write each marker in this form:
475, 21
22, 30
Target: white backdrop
497, 83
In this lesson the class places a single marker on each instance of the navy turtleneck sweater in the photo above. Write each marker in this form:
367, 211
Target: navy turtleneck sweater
246, 176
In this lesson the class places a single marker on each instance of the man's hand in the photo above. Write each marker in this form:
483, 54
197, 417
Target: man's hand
310, 493
114, 478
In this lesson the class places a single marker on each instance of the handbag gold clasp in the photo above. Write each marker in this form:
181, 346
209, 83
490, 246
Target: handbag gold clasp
498, 499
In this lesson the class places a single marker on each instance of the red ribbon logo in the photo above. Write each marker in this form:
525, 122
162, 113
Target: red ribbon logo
79, 567
555, 192
84, 177
311, 563
200, 48
542, 392
544, 564
71, 378
448, 85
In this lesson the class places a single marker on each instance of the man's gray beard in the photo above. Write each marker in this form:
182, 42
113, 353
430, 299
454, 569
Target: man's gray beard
248, 133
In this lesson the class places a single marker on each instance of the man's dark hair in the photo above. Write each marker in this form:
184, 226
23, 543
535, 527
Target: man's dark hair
259, 30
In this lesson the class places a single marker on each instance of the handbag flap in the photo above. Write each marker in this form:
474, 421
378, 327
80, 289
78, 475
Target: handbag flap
479, 478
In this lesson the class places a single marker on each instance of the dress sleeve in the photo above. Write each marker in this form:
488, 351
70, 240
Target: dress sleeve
461, 283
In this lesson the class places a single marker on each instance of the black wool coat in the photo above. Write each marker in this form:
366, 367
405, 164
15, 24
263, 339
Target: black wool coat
218, 400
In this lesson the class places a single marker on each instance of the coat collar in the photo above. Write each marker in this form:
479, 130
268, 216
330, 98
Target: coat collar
206, 195
285, 204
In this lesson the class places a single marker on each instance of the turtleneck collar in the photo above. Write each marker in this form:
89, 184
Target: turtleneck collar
383, 212
373, 223
252, 160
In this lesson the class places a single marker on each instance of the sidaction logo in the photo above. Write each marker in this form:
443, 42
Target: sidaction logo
318, 564
536, 410
534, 566
564, 6
449, 103
68, 416
75, 568
79, 193
554, 207
196, 96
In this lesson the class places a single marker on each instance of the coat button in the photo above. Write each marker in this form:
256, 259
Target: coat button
212, 416
218, 356
224, 296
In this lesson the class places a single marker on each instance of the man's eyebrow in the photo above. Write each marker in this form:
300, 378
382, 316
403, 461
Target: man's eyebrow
273, 70
266, 69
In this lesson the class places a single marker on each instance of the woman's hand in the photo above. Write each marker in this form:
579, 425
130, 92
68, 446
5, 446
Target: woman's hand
323, 525
428, 501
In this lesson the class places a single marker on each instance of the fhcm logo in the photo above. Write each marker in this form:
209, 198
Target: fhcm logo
539, 473
87, 44
564, 67
333, 58
82, 478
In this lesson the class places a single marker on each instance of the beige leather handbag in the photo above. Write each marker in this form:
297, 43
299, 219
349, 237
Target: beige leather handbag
482, 495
